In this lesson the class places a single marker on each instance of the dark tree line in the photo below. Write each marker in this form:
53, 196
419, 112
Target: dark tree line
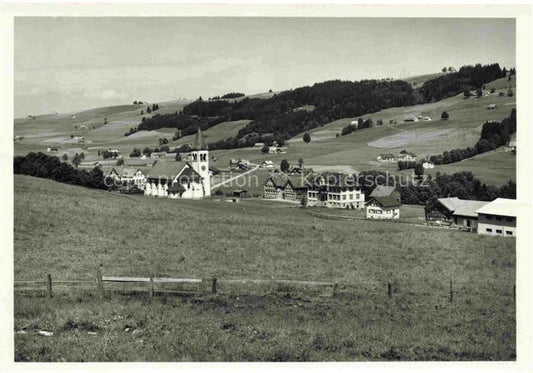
466, 79
227, 95
461, 184
49, 167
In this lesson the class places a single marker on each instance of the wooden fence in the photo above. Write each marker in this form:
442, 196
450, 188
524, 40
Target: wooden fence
156, 285
160, 285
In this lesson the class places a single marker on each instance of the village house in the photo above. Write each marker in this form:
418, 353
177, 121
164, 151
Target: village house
128, 176
454, 212
386, 158
334, 190
498, 218
511, 146
406, 156
410, 118
384, 203
277, 150
428, 165
282, 186
491, 107
267, 164
188, 180
259, 144
155, 155
53, 149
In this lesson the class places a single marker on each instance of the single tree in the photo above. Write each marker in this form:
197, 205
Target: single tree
120, 162
419, 170
142, 112
65, 157
444, 115
301, 162
444, 69
307, 138
82, 155
148, 110
76, 160
178, 157
284, 165
265, 149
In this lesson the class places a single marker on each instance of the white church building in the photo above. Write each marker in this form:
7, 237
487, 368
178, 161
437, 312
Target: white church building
189, 180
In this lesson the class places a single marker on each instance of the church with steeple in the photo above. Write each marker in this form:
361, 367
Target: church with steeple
182, 179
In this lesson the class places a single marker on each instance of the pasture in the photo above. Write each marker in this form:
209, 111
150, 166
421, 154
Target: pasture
139, 236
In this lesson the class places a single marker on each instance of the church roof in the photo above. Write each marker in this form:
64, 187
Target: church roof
199, 141
167, 170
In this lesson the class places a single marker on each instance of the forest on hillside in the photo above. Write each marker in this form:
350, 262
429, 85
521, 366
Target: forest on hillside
282, 117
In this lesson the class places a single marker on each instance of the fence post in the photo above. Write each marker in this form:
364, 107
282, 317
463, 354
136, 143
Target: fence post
214, 285
389, 289
451, 291
152, 286
514, 292
99, 282
335, 289
49, 285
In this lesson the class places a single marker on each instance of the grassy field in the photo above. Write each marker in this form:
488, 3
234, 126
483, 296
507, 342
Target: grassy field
136, 235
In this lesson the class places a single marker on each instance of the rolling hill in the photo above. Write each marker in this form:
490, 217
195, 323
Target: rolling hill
354, 152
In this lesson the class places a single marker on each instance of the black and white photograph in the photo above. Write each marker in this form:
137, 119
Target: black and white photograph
248, 187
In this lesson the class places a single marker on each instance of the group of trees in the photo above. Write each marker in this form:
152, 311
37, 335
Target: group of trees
138, 102
461, 184
51, 167
361, 124
227, 95
106, 154
467, 78
131, 131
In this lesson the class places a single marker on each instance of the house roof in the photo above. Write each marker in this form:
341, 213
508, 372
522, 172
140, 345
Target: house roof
382, 191
387, 201
462, 207
512, 143
297, 182
500, 206
279, 180
199, 141
167, 170
268, 162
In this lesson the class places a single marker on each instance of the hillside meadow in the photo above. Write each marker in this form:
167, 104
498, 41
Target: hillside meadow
70, 236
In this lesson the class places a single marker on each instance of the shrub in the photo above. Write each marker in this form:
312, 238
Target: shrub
444, 115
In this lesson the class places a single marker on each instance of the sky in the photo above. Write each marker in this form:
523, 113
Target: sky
67, 64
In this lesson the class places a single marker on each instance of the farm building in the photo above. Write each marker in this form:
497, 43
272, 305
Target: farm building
53, 149
406, 156
240, 193
155, 155
384, 203
128, 176
334, 190
428, 165
189, 180
456, 212
410, 118
281, 186
386, 158
277, 149
511, 146
498, 218
267, 164
259, 144
491, 107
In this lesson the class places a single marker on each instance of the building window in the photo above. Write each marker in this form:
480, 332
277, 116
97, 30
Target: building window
509, 218
489, 230
509, 233
499, 231
489, 217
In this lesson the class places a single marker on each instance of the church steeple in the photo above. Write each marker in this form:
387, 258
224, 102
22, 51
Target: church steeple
199, 141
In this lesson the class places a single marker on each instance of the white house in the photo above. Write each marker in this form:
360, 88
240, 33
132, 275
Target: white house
277, 150
53, 149
498, 218
188, 180
410, 118
128, 176
334, 190
384, 203
428, 165
386, 158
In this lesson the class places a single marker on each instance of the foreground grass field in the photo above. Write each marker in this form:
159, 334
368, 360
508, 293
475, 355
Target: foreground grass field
70, 236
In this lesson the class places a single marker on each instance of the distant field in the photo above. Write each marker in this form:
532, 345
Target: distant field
137, 236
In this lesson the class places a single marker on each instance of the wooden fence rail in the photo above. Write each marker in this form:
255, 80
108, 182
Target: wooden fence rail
153, 285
